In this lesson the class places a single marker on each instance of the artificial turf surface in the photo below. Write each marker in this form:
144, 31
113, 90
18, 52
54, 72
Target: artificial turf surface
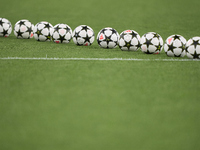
101, 105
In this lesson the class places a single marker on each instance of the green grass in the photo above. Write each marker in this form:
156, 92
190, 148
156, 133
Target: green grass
101, 105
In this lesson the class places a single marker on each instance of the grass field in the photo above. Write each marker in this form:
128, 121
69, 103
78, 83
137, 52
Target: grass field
99, 105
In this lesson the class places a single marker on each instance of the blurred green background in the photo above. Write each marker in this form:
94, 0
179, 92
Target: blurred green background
101, 105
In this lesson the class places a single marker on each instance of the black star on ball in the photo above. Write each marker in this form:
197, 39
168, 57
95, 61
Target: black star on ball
39, 32
57, 28
76, 35
108, 39
195, 55
48, 37
182, 47
195, 43
176, 37
103, 31
114, 31
67, 29
122, 35
86, 38
21, 23
147, 52
61, 38
171, 47
19, 33
1, 22
133, 34
128, 44
47, 25
148, 42
159, 46
5, 32
85, 28
156, 36
29, 29
138, 45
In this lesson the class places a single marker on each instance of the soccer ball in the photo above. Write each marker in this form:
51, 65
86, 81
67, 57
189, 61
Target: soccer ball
5, 27
108, 38
83, 35
193, 48
62, 33
23, 29
43, 31
151, 43
129, 40
175, 46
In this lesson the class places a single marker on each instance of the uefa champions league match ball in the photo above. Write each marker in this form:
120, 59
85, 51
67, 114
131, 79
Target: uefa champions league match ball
5, 27
193, 48
108, 38
175, 46
129, 40
62, 33
151, 43
43, 31
83, 35
23, 29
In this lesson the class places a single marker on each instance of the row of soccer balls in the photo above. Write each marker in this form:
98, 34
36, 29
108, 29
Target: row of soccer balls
128, 40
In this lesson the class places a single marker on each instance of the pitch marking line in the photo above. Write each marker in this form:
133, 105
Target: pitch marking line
98, 59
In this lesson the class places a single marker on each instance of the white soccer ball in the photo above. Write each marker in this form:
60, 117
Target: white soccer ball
23, 29
193, 48
175, 46
43, 31
83, 35
5, 27
151, 43
108, 38
129, 40
62, 33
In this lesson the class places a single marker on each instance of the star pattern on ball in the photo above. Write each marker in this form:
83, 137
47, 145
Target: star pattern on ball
155, 35
38, 32
67, 29
19, 33
5, 32
122, 35
103, 31
85, 28
1, 22
87, 38
195, 55
195, 43
21, 23
114, 31
108, 39
47, 26
128, 44
61, 38
76, 35
176, 37
147, 52
57, 28
138, 45
182, 46
48, 37
133, 34
159, 46
171, 47
29, 30
148, 42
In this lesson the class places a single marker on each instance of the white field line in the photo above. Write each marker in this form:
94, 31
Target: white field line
98, 59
